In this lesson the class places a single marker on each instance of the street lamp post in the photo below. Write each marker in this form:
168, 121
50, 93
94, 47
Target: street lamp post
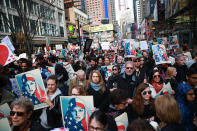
79, 37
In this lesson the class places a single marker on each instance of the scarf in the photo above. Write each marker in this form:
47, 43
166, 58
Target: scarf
96, 87
157, 87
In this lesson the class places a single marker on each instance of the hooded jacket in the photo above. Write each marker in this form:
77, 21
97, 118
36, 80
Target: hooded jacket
185, 106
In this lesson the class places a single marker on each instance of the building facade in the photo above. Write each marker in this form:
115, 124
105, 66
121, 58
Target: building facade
48, 16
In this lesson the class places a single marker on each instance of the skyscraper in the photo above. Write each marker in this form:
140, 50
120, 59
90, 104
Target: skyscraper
96, 10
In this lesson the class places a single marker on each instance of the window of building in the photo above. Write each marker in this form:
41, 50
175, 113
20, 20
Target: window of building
60, 17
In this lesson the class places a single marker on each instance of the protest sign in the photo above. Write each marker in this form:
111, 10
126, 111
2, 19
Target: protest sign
4, 125
70, 71
122, 122
107, 70
160, 54
188, 56
15, 88
165, 90
6, 55
59, 47
7, 41
51, 70
32, 87
76, 111
173, 40
162, 40
143, 45
4, 111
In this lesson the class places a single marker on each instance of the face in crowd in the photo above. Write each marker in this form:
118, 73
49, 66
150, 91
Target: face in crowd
51, 85
156, 77
181, 61
95, 78
19, 115
129, 68
146, 94
115, 70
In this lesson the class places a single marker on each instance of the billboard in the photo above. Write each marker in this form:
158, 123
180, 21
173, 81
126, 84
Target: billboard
100, 28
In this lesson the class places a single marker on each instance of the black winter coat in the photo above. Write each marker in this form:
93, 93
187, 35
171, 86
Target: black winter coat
100, 99
127, 84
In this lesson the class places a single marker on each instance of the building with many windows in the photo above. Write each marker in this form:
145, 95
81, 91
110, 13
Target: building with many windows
46, 17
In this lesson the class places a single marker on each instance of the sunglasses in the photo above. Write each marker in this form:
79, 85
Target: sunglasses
129, 68
191, 94
114, 69
156, 76
145, 92
12, 113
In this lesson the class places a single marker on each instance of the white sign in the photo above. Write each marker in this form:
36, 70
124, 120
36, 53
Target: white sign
143, 45
7, 41
122, 122
70, 71
59, 47
105, 45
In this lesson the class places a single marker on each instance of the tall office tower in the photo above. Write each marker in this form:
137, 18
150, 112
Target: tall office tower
143, 5
113, 12
83, 6
135, 11
95, 9
138, 13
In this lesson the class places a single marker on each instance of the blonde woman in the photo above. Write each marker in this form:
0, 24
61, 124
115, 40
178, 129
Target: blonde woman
170, 77
97, 89
167, 110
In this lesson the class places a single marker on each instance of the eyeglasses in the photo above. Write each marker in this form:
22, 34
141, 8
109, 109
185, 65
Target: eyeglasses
91, 128
129, 68
145, 92
156, 76
114, 69
12, 113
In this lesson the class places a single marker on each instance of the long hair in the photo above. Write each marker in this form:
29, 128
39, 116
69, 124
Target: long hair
138, 101
70, 122
167, 109
101, 81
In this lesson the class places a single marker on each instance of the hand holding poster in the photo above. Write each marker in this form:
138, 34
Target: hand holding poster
160, 54
32, 87
6, 55
76, 111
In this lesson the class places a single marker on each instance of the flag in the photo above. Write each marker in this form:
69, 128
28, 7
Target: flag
48, 44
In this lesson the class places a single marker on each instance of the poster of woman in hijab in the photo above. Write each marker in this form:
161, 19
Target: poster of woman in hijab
160, 54
32, 87
76, 111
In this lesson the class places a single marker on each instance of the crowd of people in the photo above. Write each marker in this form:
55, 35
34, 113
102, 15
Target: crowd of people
135, 87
